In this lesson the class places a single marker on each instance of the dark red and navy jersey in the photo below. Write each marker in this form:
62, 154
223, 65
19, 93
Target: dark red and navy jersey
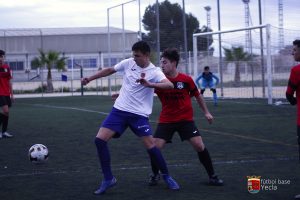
294, 87
176, 103
5, 76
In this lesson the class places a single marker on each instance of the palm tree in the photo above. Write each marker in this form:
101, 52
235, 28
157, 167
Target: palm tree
51, 60
237, 55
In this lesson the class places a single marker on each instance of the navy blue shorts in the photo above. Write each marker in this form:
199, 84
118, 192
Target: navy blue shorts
119, 121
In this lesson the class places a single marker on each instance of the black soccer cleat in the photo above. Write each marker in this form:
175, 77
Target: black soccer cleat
215, 181
153, 180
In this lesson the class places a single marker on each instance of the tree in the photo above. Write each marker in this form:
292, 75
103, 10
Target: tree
237, 55
51, 60
171, 27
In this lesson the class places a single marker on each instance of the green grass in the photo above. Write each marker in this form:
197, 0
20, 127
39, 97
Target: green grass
248, 137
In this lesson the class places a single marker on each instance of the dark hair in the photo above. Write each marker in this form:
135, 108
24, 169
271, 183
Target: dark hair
206, 68
297, 43
2, 53
171, 54
141, 46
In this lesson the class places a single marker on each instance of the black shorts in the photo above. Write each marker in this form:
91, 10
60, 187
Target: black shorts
5, 100
298, 133
185, 129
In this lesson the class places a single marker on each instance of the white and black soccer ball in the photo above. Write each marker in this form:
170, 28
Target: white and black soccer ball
38, 153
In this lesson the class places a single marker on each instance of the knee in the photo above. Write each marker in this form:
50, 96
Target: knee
213, 90
199, 147
148, 142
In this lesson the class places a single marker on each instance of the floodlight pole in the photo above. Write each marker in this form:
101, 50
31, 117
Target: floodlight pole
220, 51
157, 33
185, 37
261, 51
109, 51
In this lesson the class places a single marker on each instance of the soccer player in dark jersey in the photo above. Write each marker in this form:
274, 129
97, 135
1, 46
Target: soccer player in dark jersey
6, 95
177, 115
208, 80
294, 87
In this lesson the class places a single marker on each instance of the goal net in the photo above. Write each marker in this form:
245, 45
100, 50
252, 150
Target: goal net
250, 62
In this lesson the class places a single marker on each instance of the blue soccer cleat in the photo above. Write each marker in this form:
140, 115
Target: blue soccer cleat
172, 184
105, 185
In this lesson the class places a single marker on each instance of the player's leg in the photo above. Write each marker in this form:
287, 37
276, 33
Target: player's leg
163, 134
5, 102
204, 85
141, 127
188, 131
155, 177
159, 161
103, 136
298, 134
112, 126
212, 86
215, 97
205, 159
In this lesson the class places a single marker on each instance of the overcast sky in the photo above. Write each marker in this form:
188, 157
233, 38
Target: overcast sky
91, 13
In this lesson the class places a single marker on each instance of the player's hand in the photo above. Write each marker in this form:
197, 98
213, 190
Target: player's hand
209, 118
12, 98
143, 81
84, 81
114, 96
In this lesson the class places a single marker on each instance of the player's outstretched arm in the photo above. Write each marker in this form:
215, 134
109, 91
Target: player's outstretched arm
164, 84
11, 91
197, 81
201, 102
217, 79
102, 73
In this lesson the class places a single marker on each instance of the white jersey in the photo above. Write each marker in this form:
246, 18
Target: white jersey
134, 97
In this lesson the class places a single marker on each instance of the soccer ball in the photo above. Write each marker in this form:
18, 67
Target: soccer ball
38, 153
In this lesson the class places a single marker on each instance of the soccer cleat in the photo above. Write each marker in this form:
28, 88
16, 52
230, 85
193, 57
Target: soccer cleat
154, 179
105, 185
6, 135
215, 181
171, 182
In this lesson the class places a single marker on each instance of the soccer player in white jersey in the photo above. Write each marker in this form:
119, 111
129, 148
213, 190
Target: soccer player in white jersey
131, 109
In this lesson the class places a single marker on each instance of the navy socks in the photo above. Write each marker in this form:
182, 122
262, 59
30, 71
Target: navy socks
104, 158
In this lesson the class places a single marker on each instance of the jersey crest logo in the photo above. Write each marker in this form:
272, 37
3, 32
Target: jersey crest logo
180, 85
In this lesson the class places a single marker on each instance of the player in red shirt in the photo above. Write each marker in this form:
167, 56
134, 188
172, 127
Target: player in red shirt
177, 115
6, 94
294, 87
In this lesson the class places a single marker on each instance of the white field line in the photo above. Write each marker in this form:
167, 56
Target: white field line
128, 168
248, 138
66, 108
151, 121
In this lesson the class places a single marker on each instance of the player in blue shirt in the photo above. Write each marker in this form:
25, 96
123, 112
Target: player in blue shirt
208, 80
